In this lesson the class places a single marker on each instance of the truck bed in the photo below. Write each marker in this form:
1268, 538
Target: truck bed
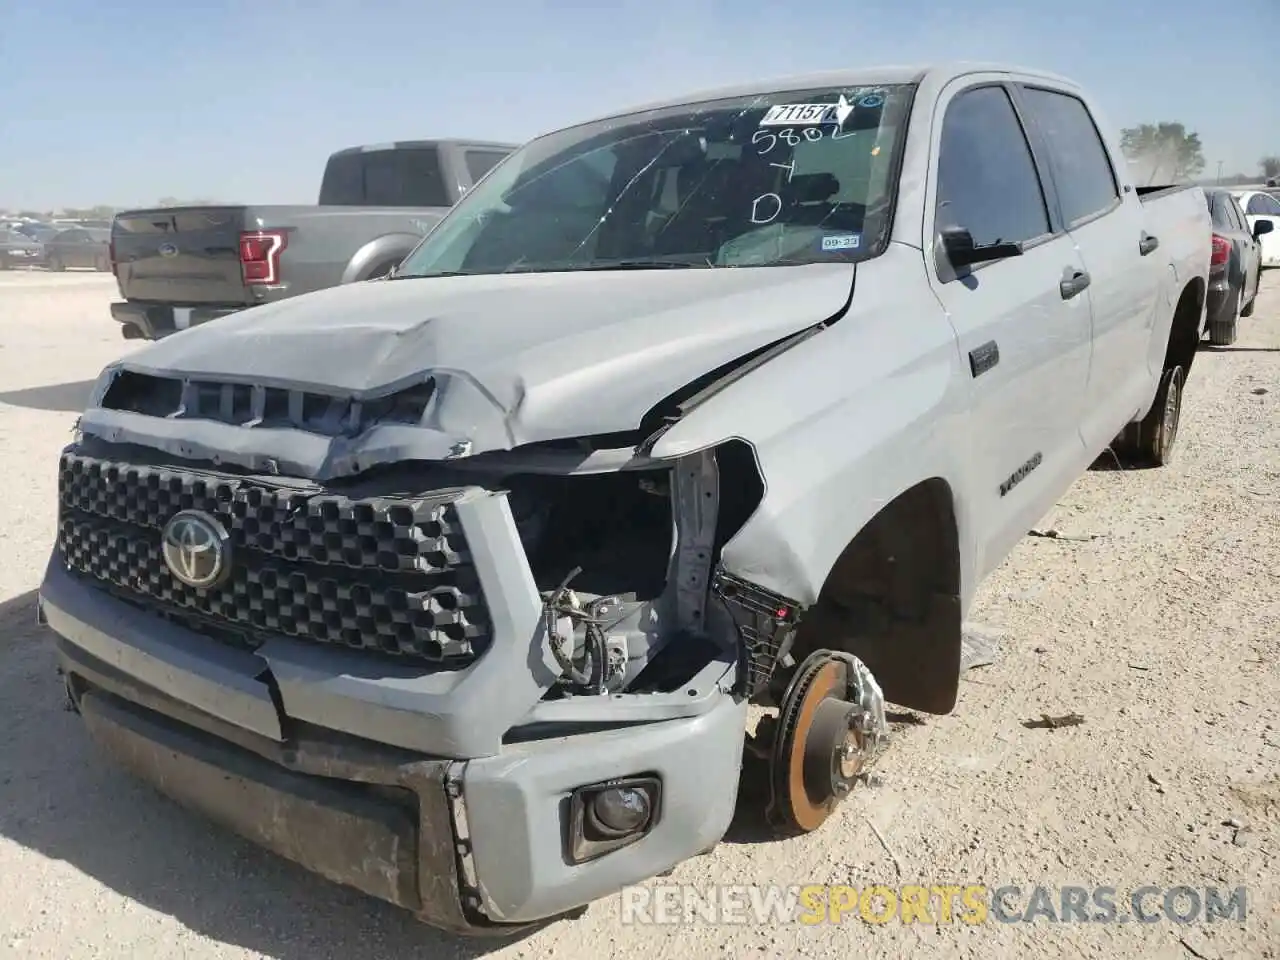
1155, 191
1177, 216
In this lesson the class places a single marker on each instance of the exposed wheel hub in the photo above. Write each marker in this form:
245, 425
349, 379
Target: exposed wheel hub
830, 728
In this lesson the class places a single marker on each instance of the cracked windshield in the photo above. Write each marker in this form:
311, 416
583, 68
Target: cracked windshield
792, 178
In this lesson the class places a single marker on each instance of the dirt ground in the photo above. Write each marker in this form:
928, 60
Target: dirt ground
1154, 616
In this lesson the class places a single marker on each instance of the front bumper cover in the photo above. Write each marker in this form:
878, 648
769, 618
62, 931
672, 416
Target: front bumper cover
359, 815
472, 845
443, 791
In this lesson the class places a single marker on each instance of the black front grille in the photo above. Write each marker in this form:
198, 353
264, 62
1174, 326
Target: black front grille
390, 574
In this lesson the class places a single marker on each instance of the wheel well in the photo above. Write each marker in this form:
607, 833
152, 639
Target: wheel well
893, 600
1184, 334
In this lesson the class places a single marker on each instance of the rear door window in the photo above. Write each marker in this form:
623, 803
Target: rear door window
1234, 214
1263, 205
987, 179
1220, 211
1082, 168
1217, 210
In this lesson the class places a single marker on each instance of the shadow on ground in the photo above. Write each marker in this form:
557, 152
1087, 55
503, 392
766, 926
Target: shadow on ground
58, 397
60, 800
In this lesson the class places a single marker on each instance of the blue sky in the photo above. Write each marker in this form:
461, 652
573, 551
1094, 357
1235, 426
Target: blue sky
128, 101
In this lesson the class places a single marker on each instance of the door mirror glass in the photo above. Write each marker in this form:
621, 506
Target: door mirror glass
1263, 226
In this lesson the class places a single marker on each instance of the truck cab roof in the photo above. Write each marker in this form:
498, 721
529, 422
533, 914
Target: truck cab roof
941, 73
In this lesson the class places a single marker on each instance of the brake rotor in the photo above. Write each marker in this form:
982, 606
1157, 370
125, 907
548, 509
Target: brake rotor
828, 730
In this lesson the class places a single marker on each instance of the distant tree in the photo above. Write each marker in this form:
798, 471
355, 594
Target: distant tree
1164, 151
1270, 166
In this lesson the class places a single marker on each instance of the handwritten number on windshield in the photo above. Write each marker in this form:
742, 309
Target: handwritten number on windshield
766, 207
790, 137
789, 167
762, 205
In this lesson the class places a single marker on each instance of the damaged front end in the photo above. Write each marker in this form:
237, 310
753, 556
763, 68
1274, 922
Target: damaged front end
549, 628
623, 550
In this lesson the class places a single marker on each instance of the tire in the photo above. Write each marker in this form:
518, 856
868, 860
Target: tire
56, 264
101, 264
4, 263
1153, 441
1222, 333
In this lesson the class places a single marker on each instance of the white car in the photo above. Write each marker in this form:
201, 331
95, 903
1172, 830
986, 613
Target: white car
1261, 205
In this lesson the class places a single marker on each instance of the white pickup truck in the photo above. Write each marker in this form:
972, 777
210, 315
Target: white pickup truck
455, 587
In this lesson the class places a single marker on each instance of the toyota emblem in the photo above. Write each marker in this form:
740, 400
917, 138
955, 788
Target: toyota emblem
196, 549
168, 250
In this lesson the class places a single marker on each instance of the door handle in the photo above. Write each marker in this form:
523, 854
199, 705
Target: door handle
1147, 244
1075, 284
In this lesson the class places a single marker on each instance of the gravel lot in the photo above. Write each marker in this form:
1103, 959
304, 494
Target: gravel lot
1155, 615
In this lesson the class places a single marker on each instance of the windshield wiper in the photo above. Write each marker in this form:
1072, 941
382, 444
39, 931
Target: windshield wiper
645, 265
560, 268
426, 276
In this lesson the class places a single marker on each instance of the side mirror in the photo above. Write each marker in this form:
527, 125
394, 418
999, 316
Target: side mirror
963, 252
1263, 226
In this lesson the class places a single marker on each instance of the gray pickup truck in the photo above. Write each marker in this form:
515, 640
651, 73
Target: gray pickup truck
178, 267
456, 587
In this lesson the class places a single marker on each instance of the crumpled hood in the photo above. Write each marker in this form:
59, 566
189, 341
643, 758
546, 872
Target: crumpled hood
517, 358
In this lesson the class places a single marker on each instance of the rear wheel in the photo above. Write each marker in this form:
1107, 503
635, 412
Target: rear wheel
101, 264
1222, 333
56, 264
1151, 442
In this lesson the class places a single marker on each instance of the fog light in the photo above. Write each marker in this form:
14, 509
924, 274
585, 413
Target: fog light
619, 810
606, 816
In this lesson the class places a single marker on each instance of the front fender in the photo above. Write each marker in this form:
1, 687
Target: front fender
842, 424
380, 250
